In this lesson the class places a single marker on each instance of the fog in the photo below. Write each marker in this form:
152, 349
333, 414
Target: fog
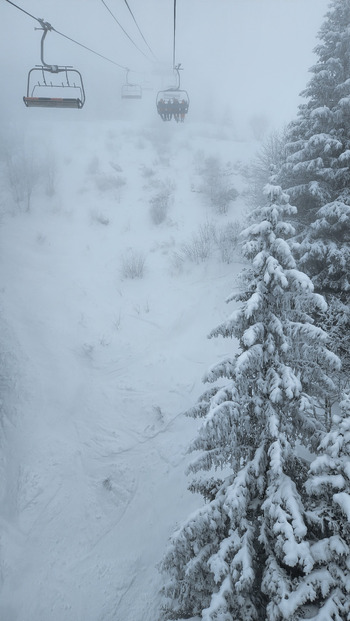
97, 366
242, 59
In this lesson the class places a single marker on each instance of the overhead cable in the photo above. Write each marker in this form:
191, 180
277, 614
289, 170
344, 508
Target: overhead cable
23, 11
138, 28
89, 49
48, 26
123, 29
174, 44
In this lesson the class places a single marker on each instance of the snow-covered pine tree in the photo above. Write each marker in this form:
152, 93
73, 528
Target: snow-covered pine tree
244, 556
329, 518
316, 175
318, 141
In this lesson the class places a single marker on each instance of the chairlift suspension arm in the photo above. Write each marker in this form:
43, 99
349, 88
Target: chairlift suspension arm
45, 26
177, 68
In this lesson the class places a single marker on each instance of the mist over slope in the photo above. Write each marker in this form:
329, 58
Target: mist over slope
115, 265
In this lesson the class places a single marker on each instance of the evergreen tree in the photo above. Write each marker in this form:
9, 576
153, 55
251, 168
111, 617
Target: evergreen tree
316, 175
245, 556
329, 519
318, 145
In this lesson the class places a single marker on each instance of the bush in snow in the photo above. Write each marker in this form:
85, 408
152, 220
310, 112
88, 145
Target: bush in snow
133, 264
208, 241
245, 555
107, 183
259, 124
268, 160
49, 173
159, 204
23, 174
227, 240
159, 207
216, 185
201, 246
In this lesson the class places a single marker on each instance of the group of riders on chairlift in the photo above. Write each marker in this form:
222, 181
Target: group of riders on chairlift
169, 108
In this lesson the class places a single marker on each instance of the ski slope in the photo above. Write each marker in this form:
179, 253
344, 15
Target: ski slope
97, 369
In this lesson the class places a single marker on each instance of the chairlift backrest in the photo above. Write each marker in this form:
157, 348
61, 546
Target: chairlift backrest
46, 85
170, 94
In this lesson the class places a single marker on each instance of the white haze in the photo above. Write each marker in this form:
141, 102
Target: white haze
241, 58
96, 369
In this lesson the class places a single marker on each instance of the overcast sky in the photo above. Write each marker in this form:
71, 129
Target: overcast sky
247, 56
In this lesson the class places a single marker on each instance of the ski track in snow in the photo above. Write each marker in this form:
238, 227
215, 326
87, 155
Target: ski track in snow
94, 439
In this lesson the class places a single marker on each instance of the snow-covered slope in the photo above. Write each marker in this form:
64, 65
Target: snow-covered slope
97, 368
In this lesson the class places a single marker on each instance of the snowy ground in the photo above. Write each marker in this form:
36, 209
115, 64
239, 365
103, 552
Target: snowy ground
97, 369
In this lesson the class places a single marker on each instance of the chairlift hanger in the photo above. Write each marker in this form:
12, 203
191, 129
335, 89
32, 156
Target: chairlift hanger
38, 90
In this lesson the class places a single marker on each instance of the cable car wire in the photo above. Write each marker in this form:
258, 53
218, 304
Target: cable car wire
138, 28
173, 102
23, 11
89, 49
174, 44
123, 29
44, 24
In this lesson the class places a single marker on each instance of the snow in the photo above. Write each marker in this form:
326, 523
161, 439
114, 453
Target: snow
99, 368
343, 500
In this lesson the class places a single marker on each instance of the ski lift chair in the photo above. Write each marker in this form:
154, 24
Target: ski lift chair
41, 85
173, 102
47, 83
131, 91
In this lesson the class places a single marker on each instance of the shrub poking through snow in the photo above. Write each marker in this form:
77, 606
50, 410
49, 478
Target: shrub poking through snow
159, 207
208, 241
107, 183
201, 246
23, 174
133, 264
227, 240
217, 186
160, 202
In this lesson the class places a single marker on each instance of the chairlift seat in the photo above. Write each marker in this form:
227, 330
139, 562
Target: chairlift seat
52, 102
131, 91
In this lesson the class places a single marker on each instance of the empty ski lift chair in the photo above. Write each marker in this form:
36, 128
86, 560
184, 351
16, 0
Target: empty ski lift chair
131, 91
46, 80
